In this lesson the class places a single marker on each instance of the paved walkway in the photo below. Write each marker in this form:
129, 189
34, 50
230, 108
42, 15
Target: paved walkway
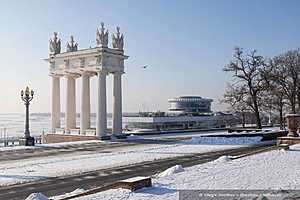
51, 151
101, 147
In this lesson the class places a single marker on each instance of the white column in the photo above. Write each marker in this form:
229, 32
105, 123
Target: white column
101, 127
71, 103
117, 104
85, 103
55, 111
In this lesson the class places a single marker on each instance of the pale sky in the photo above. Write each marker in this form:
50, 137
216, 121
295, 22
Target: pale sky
184, 43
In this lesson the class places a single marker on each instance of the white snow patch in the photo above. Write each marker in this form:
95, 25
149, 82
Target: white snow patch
282, 150
134, 137
61, 144
274, 170
15, 148
37, 196
69, 194
223, 140
172, 170
112, 194
222, 159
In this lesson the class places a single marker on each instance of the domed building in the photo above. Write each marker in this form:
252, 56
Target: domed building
193, 105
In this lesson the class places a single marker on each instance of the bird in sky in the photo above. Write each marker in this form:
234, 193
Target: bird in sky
145, 66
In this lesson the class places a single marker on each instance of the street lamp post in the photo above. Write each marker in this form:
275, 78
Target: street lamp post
27, 97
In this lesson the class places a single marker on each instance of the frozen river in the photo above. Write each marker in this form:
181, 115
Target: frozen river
13, 124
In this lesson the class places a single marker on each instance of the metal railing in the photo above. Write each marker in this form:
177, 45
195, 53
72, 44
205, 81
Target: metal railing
6, 140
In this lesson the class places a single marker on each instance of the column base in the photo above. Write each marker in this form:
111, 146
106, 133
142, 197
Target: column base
105, 137
293, 134
27, 141
59, 131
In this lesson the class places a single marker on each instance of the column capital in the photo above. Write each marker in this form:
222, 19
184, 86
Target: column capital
102, 72
118, 72
72, 75
87, 73
56, 75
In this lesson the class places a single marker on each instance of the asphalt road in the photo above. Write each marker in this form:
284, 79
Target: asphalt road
61, 185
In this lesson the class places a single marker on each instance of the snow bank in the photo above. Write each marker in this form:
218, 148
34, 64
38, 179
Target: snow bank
223, 140
274, 170
15, 148
37, 196
172, 170
75, 192
61, 144
134, 137
222, 159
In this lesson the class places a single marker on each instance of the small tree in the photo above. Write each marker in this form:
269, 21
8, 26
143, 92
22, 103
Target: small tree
247, 76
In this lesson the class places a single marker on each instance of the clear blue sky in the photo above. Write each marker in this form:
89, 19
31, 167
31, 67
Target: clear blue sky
185, 43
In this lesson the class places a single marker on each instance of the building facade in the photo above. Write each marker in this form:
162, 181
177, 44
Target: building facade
185, 112
165, 123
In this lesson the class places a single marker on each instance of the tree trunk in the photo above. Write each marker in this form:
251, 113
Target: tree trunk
293, 104
281, 118
243, 119
258, 121
298, 101
256, 112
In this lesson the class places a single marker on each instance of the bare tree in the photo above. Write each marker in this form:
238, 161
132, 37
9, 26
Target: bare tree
274, 98
238, 100
247, 78
286, 77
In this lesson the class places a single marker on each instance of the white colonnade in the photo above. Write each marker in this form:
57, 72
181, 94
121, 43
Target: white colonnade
85, 112
99, 61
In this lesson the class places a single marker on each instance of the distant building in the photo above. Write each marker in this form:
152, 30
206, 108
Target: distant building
168, 123
194, 105
185, 112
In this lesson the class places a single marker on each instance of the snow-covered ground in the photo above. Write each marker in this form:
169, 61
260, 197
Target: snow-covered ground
223, 140
202, 133
26, 170
15, 148
278, 169
137, 137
